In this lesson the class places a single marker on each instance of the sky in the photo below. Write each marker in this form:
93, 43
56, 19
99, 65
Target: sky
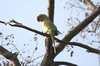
25, 12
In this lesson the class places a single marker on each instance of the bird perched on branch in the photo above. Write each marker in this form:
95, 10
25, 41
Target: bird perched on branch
48, 27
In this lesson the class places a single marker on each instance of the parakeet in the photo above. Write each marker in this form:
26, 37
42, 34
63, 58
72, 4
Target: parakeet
48, 27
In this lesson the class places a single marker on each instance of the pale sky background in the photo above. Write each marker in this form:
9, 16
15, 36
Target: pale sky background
26, 11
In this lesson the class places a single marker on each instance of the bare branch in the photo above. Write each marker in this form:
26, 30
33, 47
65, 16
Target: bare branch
47, 60
57, 63
74, 5
78, 28
11, 56
89, 4
89, 49
17, 24
60, 41
51, 9
2, 22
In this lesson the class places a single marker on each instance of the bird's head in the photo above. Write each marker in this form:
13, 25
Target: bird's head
41, 17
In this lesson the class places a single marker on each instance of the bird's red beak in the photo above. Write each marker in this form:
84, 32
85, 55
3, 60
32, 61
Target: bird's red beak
38, 19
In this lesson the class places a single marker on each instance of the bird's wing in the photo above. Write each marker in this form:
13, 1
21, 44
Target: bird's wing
54, 28
50, 27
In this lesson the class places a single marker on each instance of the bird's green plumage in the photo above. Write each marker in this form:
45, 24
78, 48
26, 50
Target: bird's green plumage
48, 27
47, 24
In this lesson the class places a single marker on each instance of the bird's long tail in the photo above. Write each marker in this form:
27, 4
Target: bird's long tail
53, 41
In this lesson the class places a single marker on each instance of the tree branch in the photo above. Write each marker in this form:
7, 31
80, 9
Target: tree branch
11, 56
89, 4
49, 52
17, 24
60, 41
51, 9
78, 28
89, 49
57, 63
47, 60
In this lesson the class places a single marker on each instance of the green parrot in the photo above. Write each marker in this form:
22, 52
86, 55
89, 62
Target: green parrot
48, 27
